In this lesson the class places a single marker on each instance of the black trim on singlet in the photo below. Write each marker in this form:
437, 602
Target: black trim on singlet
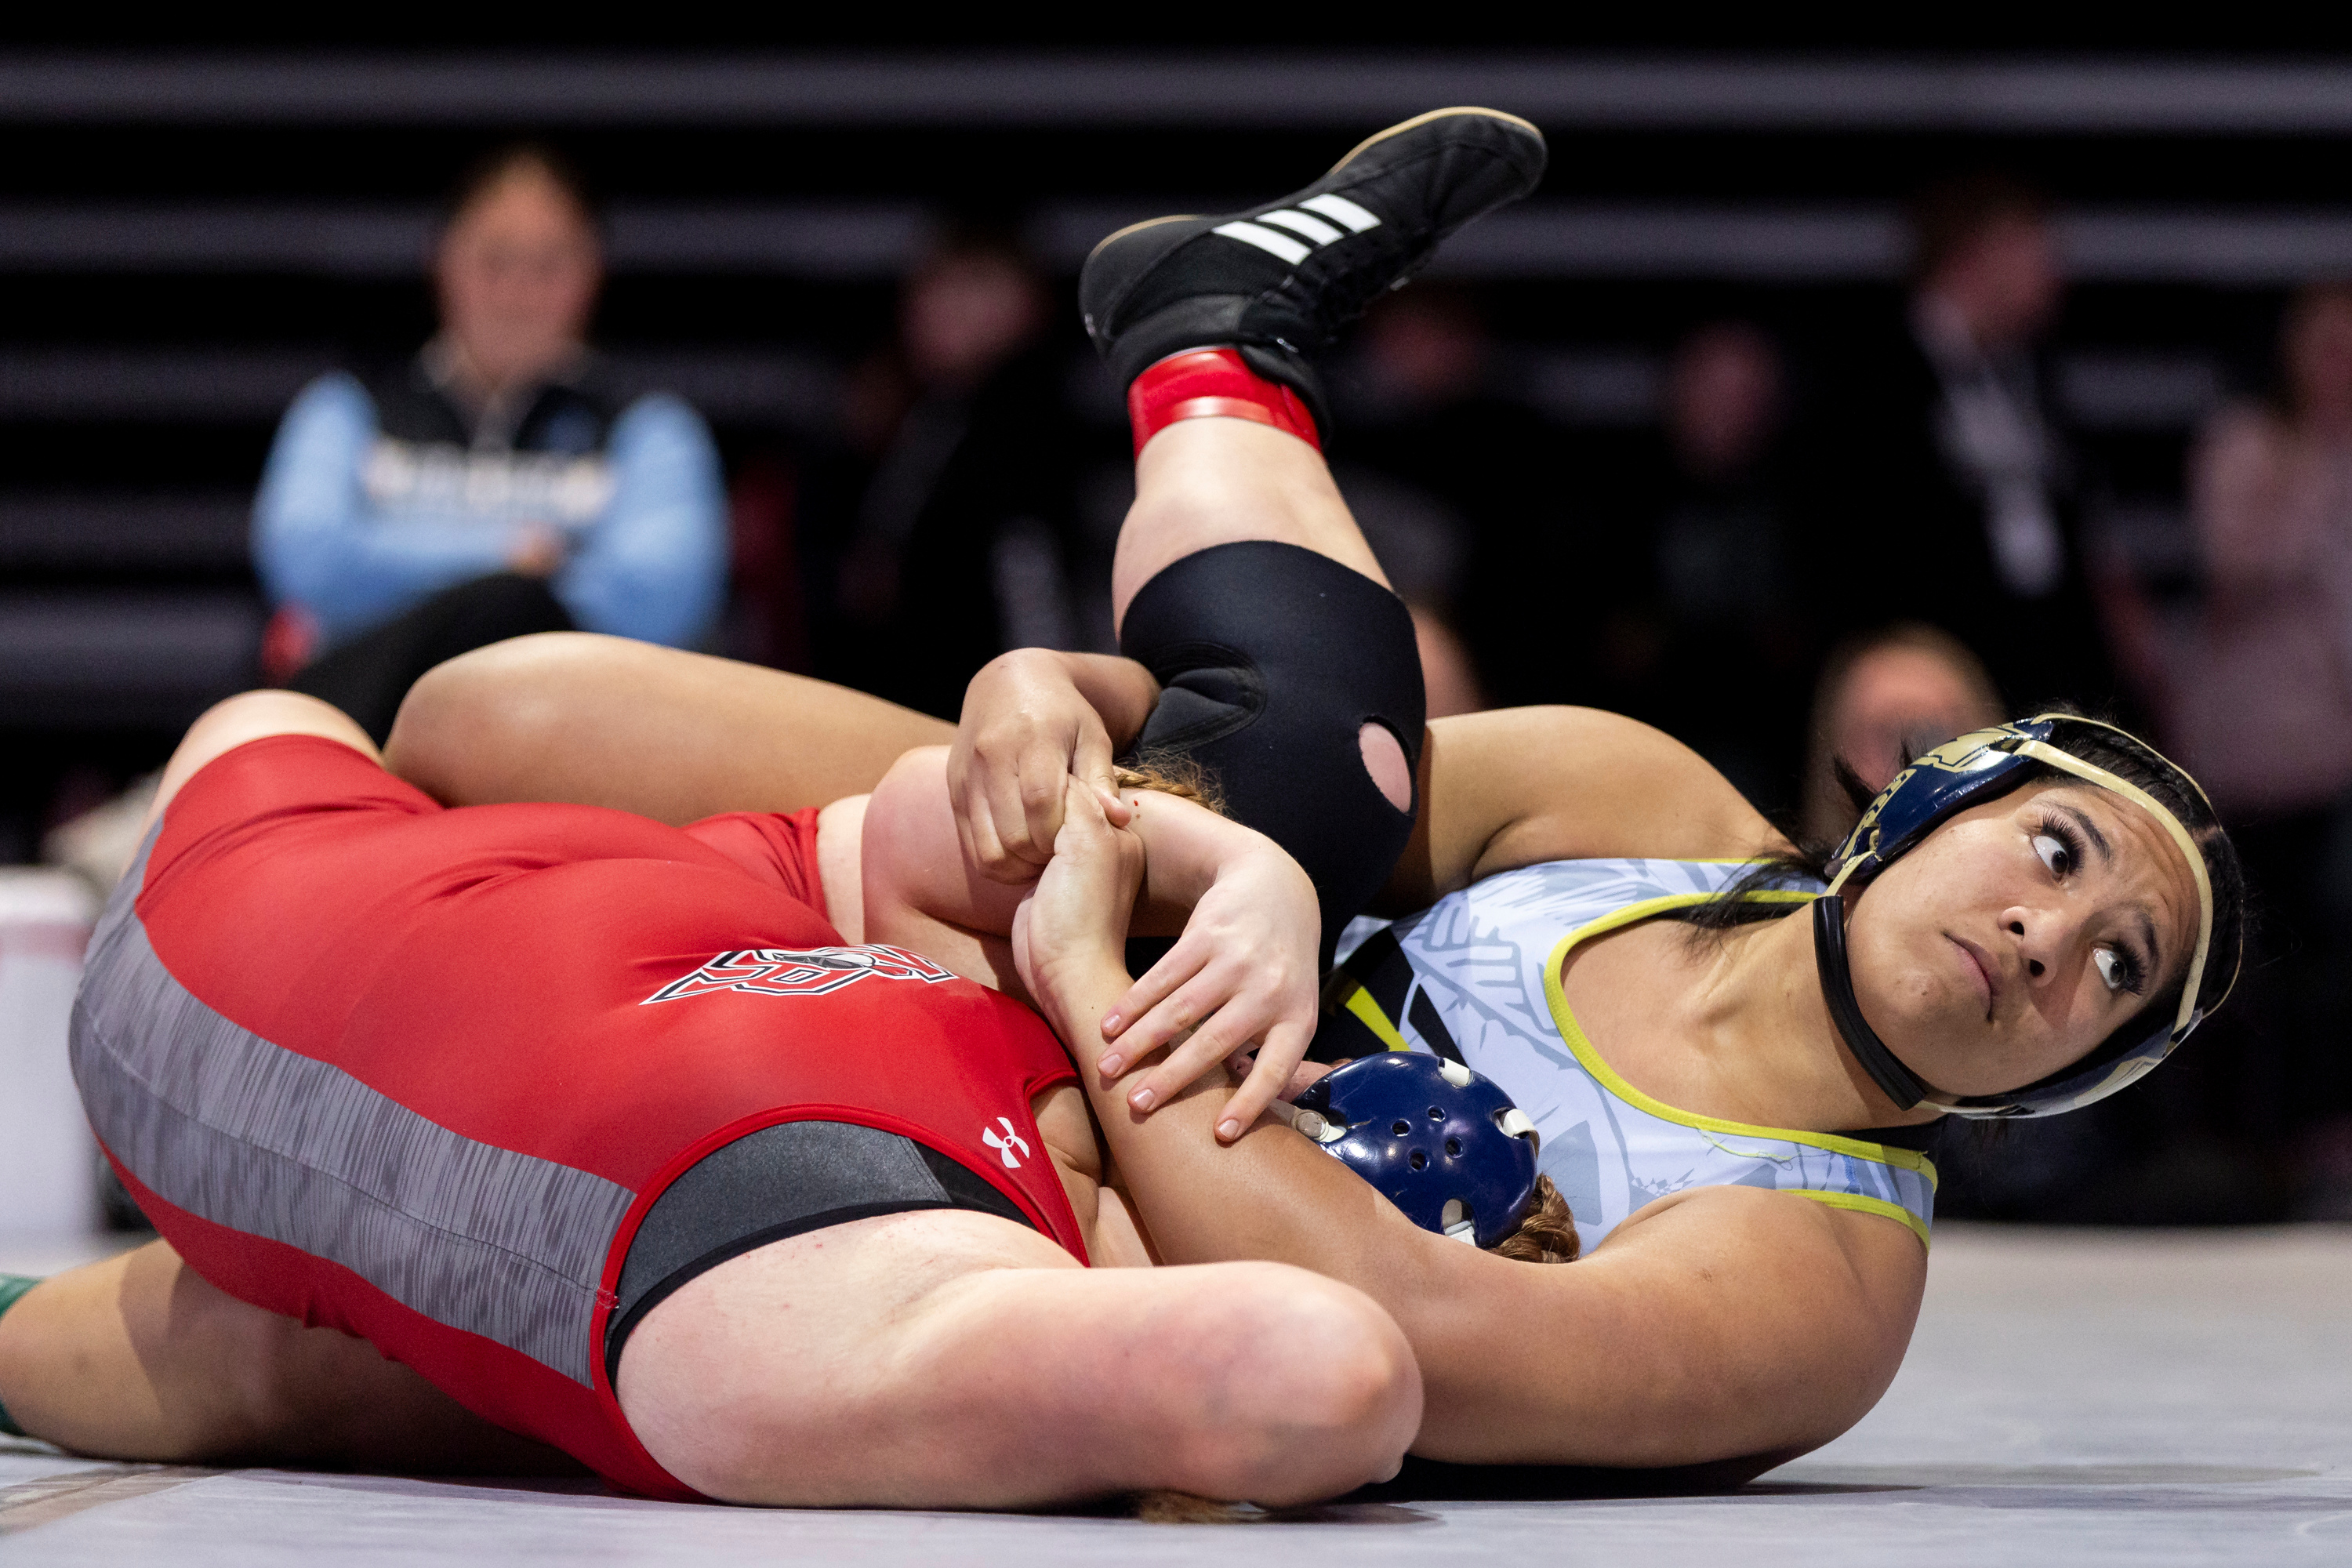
1387, 975
780, 1182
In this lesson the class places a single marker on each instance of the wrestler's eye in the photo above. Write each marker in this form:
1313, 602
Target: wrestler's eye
2059, 848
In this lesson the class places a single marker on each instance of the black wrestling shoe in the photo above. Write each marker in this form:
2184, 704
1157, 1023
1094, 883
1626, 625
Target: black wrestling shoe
1279, 282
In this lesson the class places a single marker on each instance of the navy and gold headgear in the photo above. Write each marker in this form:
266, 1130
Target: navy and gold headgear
1445, 1144
1965, 771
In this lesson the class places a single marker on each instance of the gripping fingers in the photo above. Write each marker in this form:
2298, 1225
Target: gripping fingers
1142, 1003
1003, 823
981, 848
1270, 1078
1231, 1023
961, 799
1091, 761
1042, 783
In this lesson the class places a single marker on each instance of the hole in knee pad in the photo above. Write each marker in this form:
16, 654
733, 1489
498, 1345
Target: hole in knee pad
1384, 760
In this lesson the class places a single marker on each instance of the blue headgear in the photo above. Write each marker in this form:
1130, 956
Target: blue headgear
1959, 773
1441, 1143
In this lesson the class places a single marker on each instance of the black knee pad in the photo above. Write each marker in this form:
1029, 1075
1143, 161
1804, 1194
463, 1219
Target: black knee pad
1270, 659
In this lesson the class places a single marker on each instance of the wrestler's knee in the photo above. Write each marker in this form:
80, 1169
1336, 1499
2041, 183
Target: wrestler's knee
260, 1395
1384, 760
496, 694
1297, 684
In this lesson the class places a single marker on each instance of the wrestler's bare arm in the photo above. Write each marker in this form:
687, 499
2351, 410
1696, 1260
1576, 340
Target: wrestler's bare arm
598, 721
1243, 971
1030, 718
1721, 1325
1516, 787
1499, 790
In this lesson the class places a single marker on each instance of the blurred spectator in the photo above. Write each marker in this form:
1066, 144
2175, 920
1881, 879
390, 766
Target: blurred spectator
1885, 698
1456, 487
1708, 640
497, 484
970, 440
1420, 542
2262, 708
1944, 486
2264, 705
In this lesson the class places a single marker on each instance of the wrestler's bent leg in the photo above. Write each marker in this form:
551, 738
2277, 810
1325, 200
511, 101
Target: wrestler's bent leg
953, 1359
675, 736
1295, 683
137, 1357
1240, 580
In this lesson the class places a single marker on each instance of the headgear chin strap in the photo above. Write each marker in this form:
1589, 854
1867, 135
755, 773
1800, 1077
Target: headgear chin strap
1902, 1086
1977, 767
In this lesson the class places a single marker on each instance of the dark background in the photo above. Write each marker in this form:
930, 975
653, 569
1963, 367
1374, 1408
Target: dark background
178, 260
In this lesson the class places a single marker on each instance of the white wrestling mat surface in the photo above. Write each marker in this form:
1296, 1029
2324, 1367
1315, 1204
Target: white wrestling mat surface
2071, 1398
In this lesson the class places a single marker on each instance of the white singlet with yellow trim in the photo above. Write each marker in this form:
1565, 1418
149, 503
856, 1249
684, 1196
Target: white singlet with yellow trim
1484, 974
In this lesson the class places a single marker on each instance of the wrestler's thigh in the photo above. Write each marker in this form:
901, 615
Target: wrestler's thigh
675, 736
254, 716
1205, 482
951, 1358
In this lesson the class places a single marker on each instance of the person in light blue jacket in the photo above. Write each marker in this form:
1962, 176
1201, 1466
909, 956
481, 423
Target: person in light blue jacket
497, 484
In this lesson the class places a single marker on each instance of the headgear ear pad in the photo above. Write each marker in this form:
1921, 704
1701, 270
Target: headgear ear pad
1443, 1143
1959, 773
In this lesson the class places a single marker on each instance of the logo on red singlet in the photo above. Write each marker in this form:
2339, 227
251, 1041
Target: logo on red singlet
800, 971
1006, 1145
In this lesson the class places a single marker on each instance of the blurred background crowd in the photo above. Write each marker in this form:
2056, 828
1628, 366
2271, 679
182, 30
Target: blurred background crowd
1810, 412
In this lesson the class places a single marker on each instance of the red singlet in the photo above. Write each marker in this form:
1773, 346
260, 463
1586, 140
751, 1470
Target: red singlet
417, 1074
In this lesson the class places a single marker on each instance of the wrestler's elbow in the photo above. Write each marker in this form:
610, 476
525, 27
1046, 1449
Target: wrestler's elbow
1315, 1393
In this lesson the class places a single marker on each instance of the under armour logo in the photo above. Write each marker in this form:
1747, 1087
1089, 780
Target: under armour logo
1006, 1145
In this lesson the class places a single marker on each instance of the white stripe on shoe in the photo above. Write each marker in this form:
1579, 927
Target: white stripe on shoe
1313, 229
1339, 210
1265, 239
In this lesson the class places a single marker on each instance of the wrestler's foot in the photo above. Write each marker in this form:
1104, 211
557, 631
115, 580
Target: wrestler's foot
1279, 282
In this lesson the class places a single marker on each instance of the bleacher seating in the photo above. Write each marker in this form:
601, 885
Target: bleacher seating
183, 249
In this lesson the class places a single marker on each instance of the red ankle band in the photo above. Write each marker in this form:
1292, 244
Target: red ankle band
1202, 384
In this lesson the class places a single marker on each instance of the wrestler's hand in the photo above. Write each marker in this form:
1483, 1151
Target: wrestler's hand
1031, 721
1302, 1077
1069, 930
1243, 973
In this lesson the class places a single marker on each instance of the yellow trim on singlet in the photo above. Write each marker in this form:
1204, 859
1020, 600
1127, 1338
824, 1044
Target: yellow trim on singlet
1860, 1205
1368, 1012
1573, 1033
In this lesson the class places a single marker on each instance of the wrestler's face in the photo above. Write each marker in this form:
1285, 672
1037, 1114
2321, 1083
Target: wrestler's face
2020, 935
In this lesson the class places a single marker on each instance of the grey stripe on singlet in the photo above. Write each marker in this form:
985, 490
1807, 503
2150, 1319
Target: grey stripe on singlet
220, 1122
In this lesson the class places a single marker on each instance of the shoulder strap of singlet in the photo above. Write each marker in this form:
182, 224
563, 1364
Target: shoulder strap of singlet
1364, 998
